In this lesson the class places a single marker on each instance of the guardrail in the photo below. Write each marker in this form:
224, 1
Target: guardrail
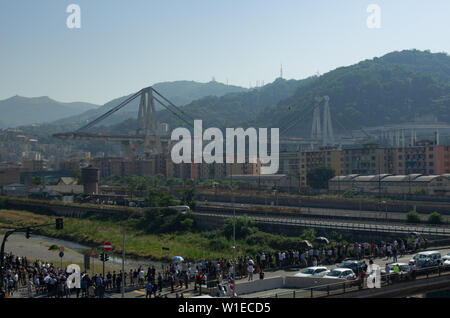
356, 285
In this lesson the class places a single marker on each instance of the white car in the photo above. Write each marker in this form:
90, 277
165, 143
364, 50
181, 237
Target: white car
403, 268
315, 271
429, 258
446, 260
342, 273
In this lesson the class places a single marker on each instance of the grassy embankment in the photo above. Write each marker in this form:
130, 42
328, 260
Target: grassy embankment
93, 232
192, 244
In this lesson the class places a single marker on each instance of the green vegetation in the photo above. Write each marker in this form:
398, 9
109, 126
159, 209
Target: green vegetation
435, 218
362, 95
53, 247
413, 217
146, 234
420, 191
318, 177
159, 221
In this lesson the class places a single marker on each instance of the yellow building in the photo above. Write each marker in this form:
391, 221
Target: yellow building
328, 157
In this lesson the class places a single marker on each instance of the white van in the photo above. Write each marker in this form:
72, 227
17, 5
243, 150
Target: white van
426, 259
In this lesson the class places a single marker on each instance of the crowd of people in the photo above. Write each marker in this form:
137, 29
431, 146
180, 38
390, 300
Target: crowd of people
40, 277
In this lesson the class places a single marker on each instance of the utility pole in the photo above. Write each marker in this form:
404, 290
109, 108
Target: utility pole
234, 236
123, 262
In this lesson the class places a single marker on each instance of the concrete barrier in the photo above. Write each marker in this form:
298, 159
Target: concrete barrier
259, 285
308, 282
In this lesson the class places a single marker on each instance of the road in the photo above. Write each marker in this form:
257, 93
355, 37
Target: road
344, 213
369, 226
140, 293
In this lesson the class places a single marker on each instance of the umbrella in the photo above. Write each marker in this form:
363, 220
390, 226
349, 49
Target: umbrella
321, 239
177, 259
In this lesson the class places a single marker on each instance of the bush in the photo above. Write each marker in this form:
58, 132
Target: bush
413, 217
350, 194
435, 218
420, 192
156, 221
308, 234
244, 227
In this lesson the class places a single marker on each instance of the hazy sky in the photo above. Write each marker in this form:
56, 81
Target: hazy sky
123, 46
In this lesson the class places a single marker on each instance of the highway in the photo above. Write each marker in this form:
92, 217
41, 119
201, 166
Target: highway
140, 293
379, 226
342, 213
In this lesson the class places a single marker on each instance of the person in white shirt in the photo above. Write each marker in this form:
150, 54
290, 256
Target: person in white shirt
141, 276
250, 270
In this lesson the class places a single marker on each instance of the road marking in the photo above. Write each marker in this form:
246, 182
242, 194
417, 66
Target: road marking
139, 292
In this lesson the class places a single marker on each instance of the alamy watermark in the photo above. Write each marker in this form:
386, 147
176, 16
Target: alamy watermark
374, 19
213, 152
74, 19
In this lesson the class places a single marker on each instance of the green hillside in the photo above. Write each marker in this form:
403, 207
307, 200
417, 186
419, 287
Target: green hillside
392, 89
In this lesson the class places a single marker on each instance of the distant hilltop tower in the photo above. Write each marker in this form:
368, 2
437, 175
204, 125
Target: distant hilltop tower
281, 71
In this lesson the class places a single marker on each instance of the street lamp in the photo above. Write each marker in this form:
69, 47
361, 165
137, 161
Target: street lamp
234, 235
123, 255
385, 207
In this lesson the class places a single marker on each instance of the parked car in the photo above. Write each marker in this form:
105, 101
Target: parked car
342, 273
426, 259
446, 260
354, 265
405, 271
403, 267
315, 271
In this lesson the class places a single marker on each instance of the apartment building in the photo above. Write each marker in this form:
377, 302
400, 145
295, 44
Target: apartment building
329, 157
425, 158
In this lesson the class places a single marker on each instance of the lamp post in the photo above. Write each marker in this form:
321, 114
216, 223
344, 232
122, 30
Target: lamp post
123, 262
123, 256
234, 236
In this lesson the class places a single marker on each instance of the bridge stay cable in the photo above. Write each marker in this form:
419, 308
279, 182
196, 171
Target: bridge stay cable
110, 112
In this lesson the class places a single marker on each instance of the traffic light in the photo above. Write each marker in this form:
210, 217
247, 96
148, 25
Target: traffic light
59, 224
27, 234
104, 257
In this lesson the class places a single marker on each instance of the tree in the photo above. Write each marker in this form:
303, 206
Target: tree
38, 180
244, 227
318, 177
413, 217
308, 234
158, 198
188, 197
435, 218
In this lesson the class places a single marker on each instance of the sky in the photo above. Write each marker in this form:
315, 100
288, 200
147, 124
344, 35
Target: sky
123, 46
